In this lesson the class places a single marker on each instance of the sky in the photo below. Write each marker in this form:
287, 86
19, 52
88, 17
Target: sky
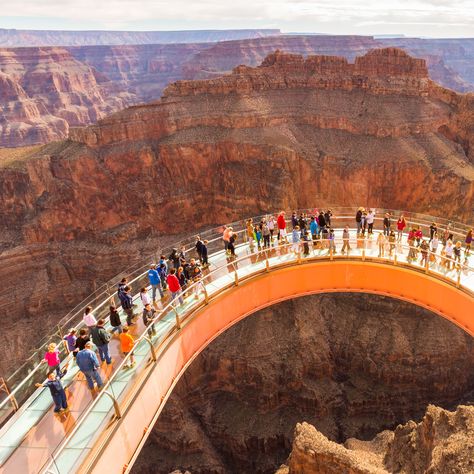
427, 18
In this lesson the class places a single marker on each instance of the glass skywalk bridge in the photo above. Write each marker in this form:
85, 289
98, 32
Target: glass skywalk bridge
33, 439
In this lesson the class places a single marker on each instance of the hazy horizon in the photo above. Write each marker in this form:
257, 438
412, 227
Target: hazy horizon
414, 18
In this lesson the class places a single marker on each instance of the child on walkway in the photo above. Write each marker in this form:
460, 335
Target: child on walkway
57, 391
52, 359
71, 340
126, 345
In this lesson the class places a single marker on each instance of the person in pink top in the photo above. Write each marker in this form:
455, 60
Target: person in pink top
52, 359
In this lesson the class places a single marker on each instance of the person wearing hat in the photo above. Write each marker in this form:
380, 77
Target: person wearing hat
89, 365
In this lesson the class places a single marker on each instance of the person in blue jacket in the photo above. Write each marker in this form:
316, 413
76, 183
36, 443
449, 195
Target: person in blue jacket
314, 229
155, 282
89, 364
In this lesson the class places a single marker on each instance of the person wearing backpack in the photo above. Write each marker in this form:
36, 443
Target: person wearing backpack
101, 338
127, 304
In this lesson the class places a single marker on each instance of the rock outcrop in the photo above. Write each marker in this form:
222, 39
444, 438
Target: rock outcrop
442, 442
351, 365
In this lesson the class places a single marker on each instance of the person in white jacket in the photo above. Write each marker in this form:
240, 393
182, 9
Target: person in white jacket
370, 221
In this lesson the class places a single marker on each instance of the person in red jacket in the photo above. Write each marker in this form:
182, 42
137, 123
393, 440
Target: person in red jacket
281, 223
418, 236
401, 224
174, 286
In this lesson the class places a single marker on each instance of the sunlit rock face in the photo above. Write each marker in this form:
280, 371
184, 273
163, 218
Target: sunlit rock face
351, 365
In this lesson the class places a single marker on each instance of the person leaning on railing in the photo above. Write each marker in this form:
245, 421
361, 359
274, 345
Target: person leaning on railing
231, 244
57, 391
89, 318
198, 246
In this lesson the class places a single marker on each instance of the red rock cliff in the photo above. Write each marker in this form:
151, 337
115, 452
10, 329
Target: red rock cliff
46, 90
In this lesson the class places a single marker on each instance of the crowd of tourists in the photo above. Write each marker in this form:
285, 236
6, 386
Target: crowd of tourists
90, 346
175, 274
304, 230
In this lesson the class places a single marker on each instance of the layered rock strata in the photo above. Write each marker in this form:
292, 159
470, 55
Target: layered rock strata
44, 91
351, 365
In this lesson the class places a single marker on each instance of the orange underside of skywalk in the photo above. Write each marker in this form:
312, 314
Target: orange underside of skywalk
126, 436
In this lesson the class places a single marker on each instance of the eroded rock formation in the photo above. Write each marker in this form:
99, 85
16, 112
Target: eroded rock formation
44, 91
442, 442
351, 365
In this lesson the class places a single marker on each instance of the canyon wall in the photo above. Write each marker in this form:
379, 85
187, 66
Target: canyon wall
113, 76
44, 91
351, 365
292, 133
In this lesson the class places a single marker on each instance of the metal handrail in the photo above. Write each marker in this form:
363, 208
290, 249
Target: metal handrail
423, 220
234, 263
